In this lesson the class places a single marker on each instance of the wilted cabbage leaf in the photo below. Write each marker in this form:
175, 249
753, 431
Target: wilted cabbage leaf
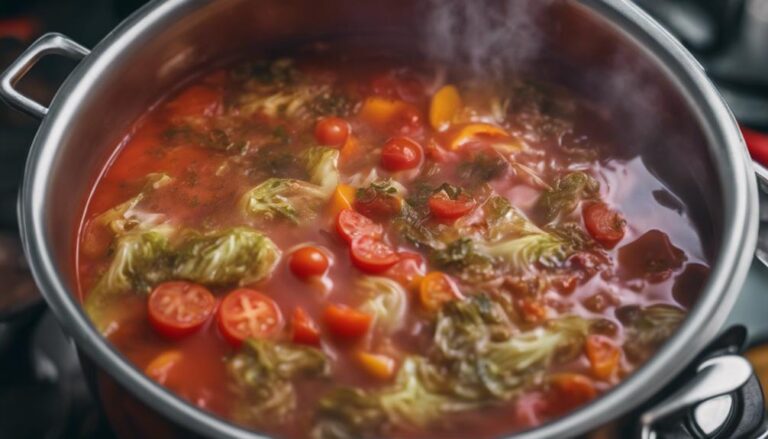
240, 255
565, 194
348, 413
386, 300
276, 198
323, 167
647, 328
126, 216
484, 360
139, 261
462, 259
261, 374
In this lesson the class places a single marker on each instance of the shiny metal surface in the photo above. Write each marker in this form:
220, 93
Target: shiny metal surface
619, 49
712, 414
48, 44
715, 377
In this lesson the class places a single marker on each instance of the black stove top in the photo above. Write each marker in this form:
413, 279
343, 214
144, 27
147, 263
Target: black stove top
42, 390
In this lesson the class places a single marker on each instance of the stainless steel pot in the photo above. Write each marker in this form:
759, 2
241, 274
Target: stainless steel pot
607, 50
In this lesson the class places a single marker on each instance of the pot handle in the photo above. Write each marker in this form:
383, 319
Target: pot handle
50, 43
715, 377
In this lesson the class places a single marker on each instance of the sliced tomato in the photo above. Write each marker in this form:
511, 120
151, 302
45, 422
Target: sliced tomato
332, 131
604, 224
350, 225
400, 154
346, 322
445, 208
603, 355
177, 309
308, 262
246, 313
372, 255
305, 330
437, 288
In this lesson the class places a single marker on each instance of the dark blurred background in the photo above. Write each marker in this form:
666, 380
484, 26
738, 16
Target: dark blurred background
42, 393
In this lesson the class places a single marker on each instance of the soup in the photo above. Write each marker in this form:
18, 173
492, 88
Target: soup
351, 246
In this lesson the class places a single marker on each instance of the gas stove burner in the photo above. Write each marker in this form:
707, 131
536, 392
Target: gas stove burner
44, 392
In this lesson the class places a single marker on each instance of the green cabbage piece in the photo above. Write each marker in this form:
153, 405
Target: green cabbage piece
411, 403
126, 216
565, 194
323, 167
522, 252
477, 360
348, 413
646, 328
462, 258
240, 255
282, 198
386, 300
477, 357
262, 373
139, 261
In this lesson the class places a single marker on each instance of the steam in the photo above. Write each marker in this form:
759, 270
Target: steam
488, 37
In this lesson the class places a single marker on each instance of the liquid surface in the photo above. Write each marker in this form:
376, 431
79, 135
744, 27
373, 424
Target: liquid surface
505, 265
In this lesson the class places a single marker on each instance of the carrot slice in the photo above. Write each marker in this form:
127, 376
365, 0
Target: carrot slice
603, 355
378, 365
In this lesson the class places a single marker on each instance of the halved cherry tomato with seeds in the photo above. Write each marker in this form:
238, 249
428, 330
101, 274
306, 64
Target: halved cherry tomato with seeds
332, 131
603, 355
437, 288
400, 154
308, 261
346, 322
177, 309
246, 313
350, 225
305, 331
604, 224
372, 255
445, 208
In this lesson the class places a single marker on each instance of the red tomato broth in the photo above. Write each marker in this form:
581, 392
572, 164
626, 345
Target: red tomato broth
211, 175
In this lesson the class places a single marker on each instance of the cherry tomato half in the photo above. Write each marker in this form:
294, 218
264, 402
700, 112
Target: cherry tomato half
346, 322
445, 208
246, 313
305, 330
400, 154
308, 261
372, 255
350, 225
177, 309
332, 131
603, 224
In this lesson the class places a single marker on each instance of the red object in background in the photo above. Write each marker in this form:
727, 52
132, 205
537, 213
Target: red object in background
23, 28
757, 142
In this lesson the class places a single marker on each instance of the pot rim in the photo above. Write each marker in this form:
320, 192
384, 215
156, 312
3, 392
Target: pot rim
703, 323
